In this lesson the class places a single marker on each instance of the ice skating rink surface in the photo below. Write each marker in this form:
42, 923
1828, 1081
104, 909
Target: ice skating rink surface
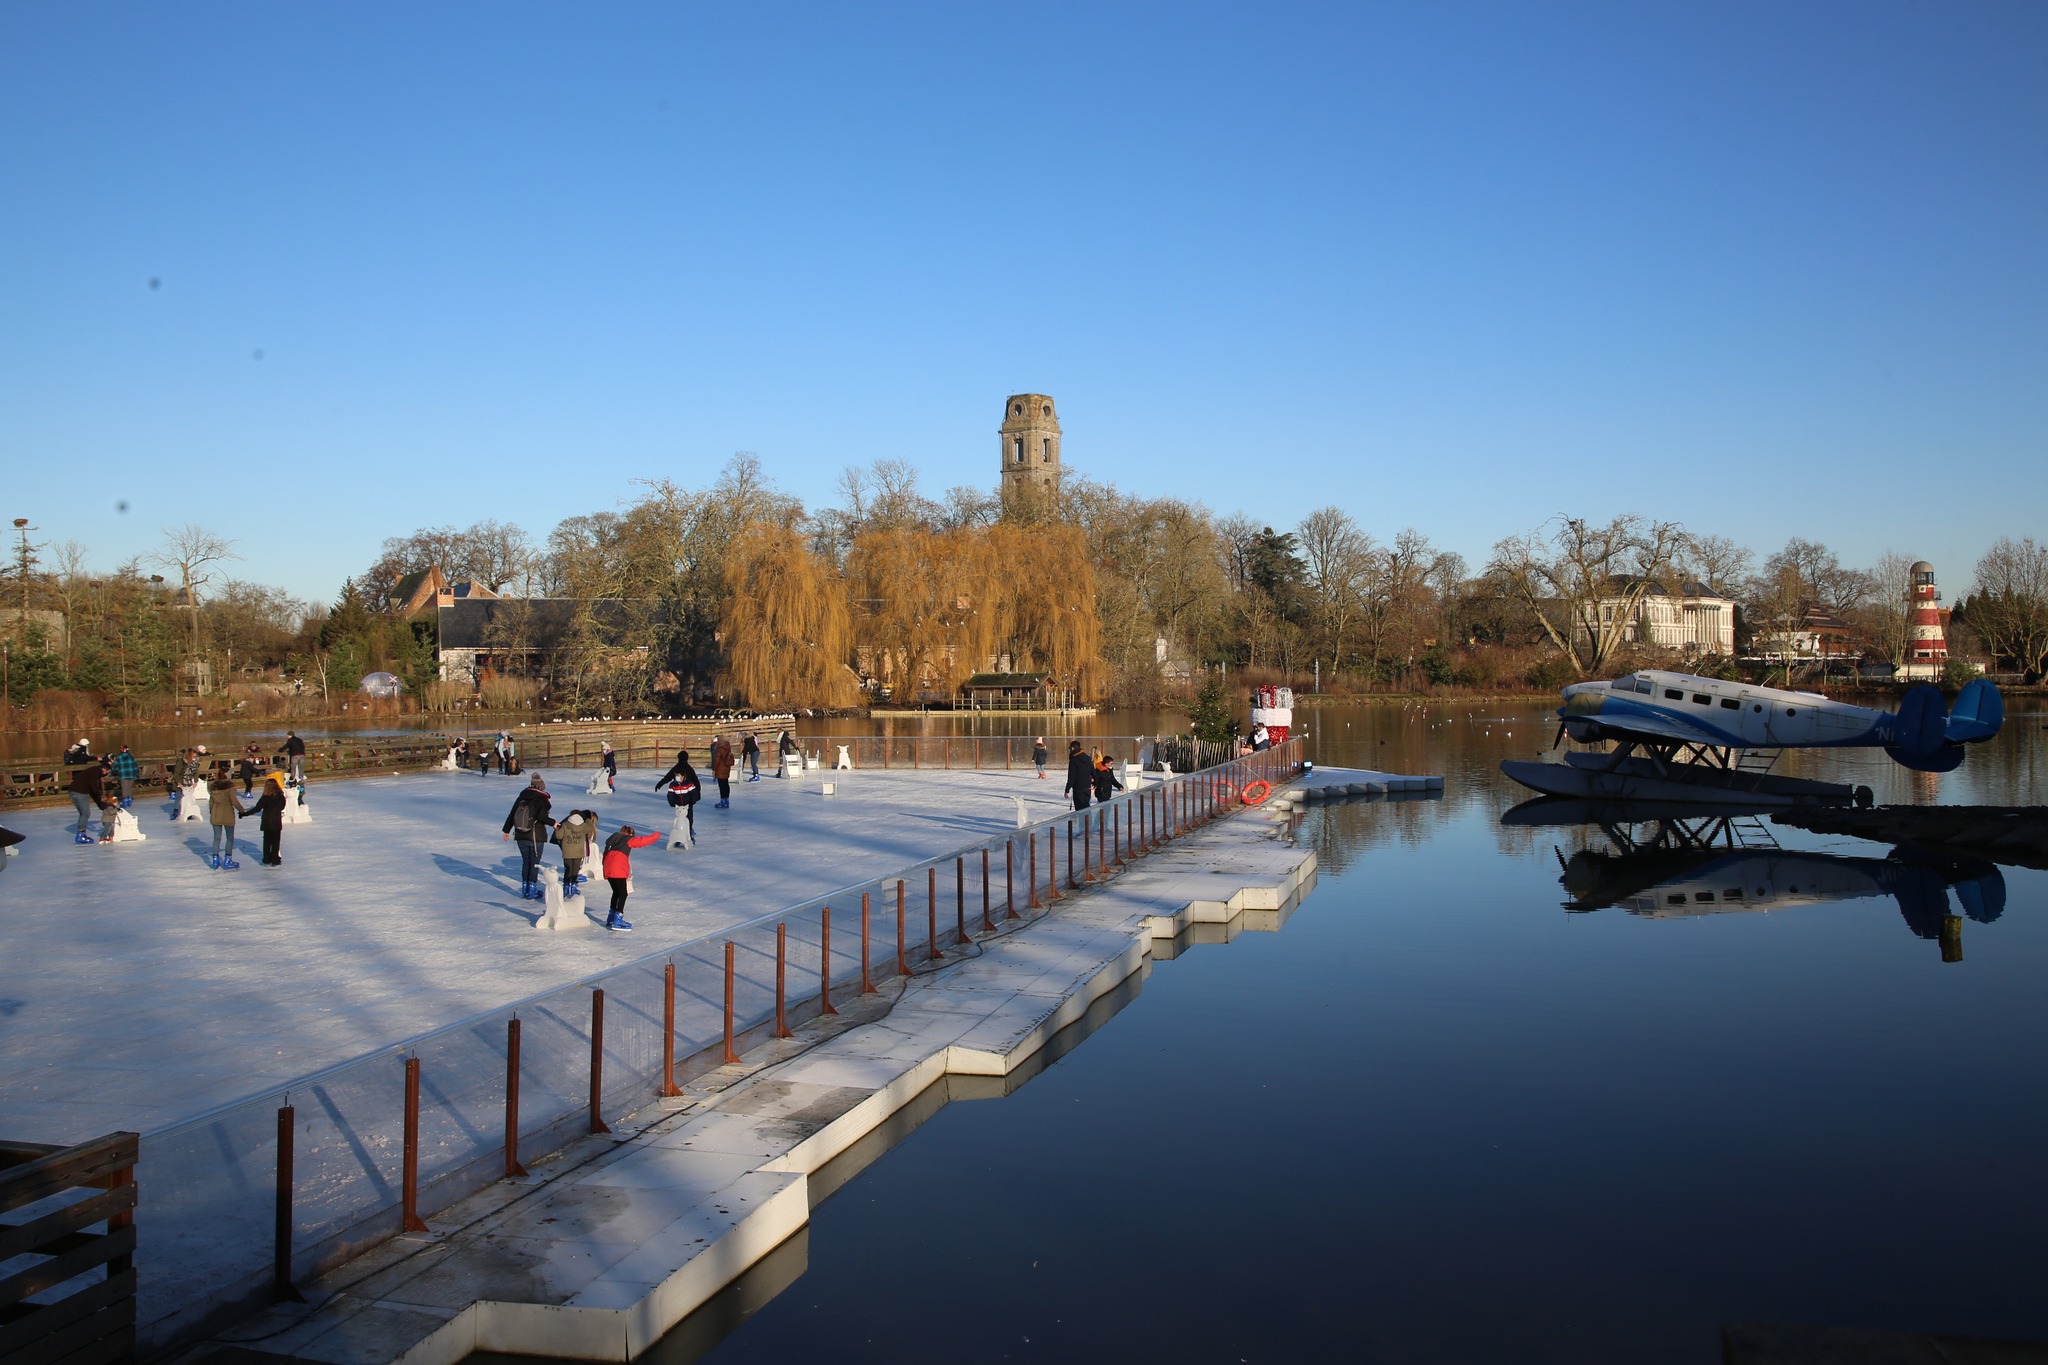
139, 987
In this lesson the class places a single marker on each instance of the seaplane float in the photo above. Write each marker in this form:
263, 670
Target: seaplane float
1681, 738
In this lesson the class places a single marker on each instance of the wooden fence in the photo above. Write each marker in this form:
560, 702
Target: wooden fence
70, 1296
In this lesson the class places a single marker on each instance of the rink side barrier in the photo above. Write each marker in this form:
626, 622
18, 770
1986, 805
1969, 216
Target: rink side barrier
43, 783
297, 1179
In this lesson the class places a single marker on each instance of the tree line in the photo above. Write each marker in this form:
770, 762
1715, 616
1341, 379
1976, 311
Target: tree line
733, 591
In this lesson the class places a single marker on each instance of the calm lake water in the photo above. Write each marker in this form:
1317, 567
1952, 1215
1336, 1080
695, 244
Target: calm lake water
1441, 1116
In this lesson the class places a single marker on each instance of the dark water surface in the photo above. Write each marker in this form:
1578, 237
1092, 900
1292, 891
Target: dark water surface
1440, 1117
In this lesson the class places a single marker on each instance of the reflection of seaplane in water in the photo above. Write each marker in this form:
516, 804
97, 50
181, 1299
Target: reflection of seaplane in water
1674, 861
1682, 738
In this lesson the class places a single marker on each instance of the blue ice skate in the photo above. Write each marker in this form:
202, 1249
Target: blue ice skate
229, 865
214, 862
81, 838
618, 924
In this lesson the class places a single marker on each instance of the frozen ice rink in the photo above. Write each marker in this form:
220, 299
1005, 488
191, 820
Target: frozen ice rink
139, 987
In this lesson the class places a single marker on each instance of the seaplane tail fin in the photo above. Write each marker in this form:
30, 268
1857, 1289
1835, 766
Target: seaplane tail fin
1977, 714
1920, 733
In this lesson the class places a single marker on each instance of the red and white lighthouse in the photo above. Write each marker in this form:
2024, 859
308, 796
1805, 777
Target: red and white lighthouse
1926, 643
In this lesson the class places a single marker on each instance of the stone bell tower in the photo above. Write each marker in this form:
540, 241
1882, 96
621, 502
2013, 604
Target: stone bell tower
1031, 445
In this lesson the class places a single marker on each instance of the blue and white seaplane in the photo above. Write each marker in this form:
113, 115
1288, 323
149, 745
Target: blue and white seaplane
1681, 738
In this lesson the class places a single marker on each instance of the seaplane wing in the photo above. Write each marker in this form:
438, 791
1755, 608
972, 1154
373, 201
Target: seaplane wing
1644, 723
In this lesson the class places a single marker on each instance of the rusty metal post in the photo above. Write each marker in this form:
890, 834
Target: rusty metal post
512, 1166
597, 1123
1070, 851
931, 905
960, 899
825, 961
781, 971
281, 1244
1052, 862
1089, 819
902, 967
668, 1030
1116, 840
730, 1055
988, 926
1010, 877
867, 985
1031, 877
409, 1166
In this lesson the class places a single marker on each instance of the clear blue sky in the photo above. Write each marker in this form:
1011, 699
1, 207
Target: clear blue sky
1766, 269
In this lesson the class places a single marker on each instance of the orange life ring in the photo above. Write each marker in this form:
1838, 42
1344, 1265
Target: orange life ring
1262, 788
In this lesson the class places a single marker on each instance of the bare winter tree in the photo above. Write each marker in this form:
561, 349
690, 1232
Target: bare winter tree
1827, 584
1716, 563
191, 549
1338, 556
2009, 608
1584, 582
1887, 617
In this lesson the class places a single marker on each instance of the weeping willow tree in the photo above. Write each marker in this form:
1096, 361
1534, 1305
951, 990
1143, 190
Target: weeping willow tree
786, 634
932, 608
1050, 620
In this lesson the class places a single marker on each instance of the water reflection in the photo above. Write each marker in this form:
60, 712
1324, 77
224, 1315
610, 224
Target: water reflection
1671, 861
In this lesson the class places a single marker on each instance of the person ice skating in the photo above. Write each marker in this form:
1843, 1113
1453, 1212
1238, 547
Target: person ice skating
683, 791
574, 835
784, 748
618, 871
252, 758
528, 821
1080, 775
610, 763
721, 769
483, 759
86, 788
184, 802
269, 813
750, 751
1105, 778
126, 770
295, 756
1039, 755
223, 810
512, 766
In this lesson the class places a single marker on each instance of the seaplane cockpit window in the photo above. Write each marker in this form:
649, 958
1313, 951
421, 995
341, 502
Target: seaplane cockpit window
1673, 694
1730, 704
1645, 686
1702, 699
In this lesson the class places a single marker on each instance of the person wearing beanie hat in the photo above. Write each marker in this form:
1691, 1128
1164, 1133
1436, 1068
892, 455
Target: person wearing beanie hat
528, 820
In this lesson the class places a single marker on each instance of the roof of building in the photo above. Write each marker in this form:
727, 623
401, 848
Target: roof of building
982, 680
1690, 587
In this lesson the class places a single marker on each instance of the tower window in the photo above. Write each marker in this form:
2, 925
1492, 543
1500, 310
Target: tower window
1048, 409
1045, 450
1019, 447
1016, 409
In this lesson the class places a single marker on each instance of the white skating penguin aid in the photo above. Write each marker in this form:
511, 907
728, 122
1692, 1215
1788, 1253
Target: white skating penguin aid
192, 802
680, 836
296, 811
554, 916
126, 829
600, 784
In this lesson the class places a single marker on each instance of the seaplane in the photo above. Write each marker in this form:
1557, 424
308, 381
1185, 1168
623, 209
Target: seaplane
1678, 737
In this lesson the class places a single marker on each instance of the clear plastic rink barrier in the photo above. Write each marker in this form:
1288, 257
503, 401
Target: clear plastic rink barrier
207, 1217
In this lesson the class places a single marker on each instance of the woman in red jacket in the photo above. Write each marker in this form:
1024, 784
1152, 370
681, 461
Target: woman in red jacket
618, 870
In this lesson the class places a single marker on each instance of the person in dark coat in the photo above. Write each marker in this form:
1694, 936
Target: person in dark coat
1039, 754
750, 754
1080, 775
529, 821
1104, 777
683, 789
85, 787
251, 758
295, 756
269, 813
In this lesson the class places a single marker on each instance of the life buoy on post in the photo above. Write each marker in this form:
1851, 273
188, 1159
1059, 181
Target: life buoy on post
1255, 792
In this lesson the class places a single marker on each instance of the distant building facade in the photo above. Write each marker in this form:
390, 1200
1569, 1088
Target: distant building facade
1031, 445
1690, 619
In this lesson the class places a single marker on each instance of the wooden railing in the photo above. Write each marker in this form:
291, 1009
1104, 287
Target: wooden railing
71, 1297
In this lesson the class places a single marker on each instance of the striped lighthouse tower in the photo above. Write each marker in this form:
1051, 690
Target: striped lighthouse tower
1926, 647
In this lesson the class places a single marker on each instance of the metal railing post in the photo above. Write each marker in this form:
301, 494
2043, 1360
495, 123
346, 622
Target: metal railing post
1010, 877
512, 1166
730, 1055
409, 1166
867, 985
931, 905
281, 1245
902, 967
988, 926
597, 1123
781, 973
825, 961
960, 899
1031, 875
668, 1030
